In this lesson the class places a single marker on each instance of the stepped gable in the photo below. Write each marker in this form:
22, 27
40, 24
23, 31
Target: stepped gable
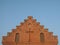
29, 31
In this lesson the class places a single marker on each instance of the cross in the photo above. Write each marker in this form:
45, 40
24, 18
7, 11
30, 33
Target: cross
29, 34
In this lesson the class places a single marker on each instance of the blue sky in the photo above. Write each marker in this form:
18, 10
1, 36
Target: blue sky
12, 12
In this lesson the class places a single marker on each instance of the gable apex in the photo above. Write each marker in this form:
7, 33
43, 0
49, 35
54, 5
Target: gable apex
30, 17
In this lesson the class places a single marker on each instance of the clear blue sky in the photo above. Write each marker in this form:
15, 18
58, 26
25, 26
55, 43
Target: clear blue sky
12, 12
